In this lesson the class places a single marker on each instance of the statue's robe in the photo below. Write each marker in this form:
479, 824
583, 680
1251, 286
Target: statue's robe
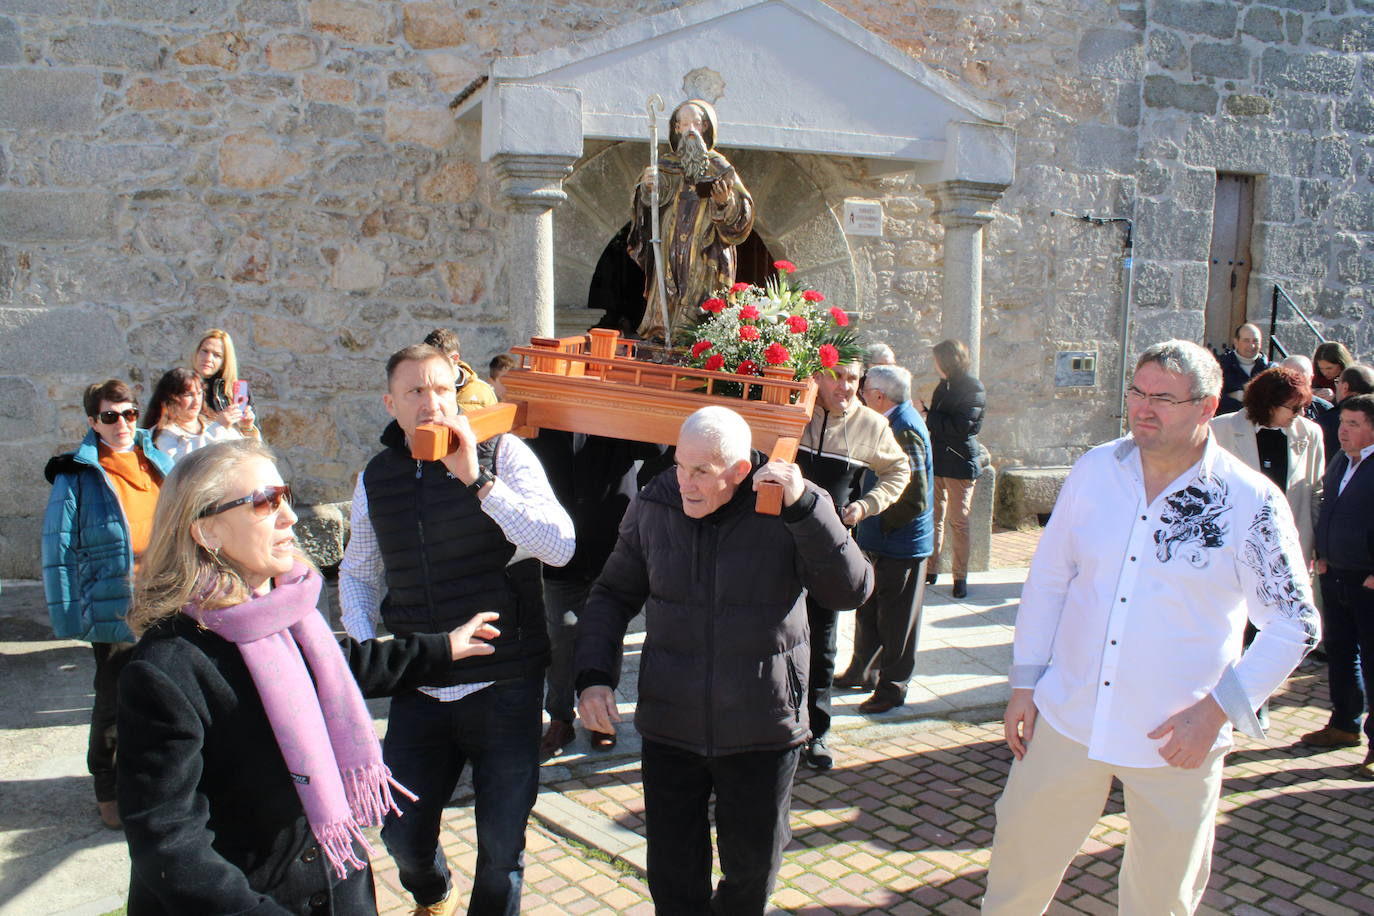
699, 239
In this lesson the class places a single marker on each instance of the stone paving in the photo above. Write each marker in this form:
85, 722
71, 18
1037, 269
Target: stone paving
901, 826
904, 823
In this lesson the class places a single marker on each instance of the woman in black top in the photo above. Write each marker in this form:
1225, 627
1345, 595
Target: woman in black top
954, 416
247, 760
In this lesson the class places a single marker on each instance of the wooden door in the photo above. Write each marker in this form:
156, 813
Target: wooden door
1229, 260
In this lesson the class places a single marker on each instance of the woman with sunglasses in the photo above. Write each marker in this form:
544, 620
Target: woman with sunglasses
97, 524
249, 763
1272, 436
176, 420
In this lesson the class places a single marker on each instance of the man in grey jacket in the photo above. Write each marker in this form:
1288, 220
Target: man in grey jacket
722, 705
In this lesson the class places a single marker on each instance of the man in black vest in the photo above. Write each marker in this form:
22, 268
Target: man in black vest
434, 542
1345, 561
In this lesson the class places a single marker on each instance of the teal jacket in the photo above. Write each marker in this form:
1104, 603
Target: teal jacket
88, 563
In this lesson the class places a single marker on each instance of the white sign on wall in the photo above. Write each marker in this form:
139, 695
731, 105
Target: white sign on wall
863, 217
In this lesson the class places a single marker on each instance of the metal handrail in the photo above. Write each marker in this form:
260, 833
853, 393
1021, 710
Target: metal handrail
1274, 343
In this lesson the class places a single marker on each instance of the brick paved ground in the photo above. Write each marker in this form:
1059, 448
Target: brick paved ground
903, 825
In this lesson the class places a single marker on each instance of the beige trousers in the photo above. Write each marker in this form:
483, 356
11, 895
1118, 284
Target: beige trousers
1055, 795
953, 498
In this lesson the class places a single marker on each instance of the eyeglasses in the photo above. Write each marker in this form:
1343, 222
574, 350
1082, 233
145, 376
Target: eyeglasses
265, 501
1158, 400
110, 417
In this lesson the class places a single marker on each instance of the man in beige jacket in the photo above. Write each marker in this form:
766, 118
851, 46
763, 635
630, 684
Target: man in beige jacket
849, 451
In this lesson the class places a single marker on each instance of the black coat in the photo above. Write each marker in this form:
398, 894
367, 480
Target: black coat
1345, 526
954, 417
1235, 378
211, 815
725, 659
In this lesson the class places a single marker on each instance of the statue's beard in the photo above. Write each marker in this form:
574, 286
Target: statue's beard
696, 162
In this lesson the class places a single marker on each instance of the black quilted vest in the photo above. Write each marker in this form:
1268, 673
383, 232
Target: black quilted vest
446, 560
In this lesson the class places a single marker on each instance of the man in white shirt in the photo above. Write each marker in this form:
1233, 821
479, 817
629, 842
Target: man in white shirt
432, 543
1127, 658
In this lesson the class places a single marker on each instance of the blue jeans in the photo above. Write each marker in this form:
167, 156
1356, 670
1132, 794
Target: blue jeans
427, 745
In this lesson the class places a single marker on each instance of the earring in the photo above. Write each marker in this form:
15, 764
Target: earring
214, 552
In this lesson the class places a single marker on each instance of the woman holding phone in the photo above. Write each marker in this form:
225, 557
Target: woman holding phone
248, 761
217, 365
175, 417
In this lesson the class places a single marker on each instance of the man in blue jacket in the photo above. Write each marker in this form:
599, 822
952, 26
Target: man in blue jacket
98, 520
898, 541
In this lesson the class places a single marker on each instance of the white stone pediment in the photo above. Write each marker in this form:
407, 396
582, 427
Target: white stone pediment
794, 76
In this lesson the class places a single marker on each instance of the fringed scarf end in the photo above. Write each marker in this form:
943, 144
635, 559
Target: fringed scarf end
368, 789
337, 839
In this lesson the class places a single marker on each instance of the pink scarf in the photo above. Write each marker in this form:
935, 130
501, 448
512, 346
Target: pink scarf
322, 728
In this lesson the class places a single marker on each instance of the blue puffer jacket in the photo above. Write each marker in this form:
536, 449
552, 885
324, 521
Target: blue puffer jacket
87, 561
906, 530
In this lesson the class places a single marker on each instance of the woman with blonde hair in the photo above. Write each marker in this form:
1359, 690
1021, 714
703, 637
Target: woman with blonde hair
175, 419
216, 363
249, 763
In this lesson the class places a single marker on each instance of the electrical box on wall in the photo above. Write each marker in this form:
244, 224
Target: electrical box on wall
1075, 369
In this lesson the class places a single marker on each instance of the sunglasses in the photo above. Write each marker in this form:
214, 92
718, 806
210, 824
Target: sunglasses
264, 501
110, 417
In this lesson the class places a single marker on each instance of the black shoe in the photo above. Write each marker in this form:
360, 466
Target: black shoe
817, 756
960, 589
931, 578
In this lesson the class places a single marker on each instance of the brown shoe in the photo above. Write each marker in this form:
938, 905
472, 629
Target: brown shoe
879, 703
109, 814
1331, 737
1367, 768
558, 736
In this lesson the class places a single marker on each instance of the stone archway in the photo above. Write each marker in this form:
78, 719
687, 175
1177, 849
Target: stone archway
795, 221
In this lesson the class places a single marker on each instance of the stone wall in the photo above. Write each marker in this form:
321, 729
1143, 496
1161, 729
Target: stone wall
289, 170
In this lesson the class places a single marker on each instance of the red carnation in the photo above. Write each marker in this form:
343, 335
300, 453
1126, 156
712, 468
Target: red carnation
749, 312
714, 305
701, 346
812, 296
714, 362
748, 332
797, 324
739, 287
748, 367
776, 354
784, 266
838, 314
830, 357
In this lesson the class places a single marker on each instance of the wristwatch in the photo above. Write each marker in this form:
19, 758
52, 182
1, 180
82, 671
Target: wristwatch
484, 477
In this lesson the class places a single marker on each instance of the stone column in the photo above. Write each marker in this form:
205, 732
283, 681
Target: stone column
532, 186
964, 207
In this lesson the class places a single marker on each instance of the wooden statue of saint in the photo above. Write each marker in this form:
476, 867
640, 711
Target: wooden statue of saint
704, 211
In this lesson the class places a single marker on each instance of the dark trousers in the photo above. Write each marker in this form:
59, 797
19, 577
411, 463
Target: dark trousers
1348, 634
427, 744
564, 600
753, 797
887, 626
824, 623
110, 659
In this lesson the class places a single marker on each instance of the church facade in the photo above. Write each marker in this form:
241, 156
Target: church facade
328, 180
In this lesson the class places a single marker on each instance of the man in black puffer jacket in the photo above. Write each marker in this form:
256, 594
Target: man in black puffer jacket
722, 677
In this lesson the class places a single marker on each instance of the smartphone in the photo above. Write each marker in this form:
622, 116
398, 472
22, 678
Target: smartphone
240, 396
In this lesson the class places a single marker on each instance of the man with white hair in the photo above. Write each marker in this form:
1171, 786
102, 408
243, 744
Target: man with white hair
1127, 658
722, 674
1303, 366
897, 541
